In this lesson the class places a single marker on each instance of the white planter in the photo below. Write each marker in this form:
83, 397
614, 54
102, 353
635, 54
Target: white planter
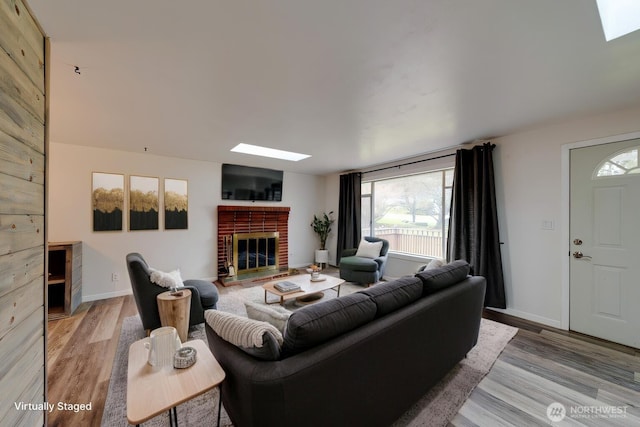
322, 256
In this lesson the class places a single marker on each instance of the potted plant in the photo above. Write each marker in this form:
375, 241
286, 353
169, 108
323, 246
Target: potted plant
322, 226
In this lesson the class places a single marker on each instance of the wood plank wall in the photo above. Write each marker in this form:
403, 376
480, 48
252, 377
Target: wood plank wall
23, 149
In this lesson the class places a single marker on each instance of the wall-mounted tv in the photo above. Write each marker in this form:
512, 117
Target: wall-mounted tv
249, 183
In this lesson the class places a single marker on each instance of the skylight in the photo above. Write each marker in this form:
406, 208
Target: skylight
619, 17
257, 150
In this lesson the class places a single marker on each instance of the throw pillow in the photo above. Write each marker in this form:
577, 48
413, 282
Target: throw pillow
267, 314
435, 263
439, 278
259, 339
369, 249
166, 280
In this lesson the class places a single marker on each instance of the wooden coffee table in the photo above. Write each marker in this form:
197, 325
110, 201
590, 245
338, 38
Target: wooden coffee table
153, 390
308, 288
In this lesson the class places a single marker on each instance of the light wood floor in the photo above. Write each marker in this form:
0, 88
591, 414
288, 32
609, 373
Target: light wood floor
80, 352
539, 365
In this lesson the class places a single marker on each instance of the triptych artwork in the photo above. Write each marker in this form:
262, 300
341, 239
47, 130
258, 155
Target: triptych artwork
108, 202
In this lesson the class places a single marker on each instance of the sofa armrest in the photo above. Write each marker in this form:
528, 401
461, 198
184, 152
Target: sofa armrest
381, 260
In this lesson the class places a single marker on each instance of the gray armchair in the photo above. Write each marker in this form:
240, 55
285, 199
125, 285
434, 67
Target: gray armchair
204, 294
364, 270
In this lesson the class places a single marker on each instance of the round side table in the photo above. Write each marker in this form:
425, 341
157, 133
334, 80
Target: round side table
174, 309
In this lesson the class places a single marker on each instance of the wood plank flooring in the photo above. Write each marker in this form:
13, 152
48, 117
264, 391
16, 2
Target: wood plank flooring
80, 352
539, 366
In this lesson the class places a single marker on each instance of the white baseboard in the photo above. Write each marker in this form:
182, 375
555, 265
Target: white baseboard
107, 295
528, 316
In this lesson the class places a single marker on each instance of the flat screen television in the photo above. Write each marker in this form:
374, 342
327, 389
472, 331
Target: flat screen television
250, 183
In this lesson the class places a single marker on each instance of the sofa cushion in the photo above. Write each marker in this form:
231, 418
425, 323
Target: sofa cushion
442, 277
369, 249
263, 313
358, 264
320, 322
390, 296
259, 339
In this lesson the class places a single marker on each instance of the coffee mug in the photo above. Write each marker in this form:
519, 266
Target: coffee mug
162, 344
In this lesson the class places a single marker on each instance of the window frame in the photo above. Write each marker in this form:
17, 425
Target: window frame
634, 171
446, 189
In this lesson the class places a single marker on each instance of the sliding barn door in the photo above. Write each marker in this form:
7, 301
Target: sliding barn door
22, 216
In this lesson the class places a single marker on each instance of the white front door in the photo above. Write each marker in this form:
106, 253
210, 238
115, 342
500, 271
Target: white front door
605, 242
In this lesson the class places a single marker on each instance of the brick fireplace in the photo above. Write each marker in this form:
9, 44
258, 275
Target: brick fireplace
252, 220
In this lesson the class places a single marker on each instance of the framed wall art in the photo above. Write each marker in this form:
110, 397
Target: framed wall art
143, 203
176, 204
107, 199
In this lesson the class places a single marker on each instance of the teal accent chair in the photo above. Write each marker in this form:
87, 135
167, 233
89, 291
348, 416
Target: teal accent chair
364, 270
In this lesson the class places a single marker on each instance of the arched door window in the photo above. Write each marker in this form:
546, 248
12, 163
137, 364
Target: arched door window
621, 163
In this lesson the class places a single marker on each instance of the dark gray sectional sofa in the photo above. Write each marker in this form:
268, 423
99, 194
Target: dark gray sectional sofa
358, 360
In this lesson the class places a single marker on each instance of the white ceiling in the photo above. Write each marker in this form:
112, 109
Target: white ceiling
354, 83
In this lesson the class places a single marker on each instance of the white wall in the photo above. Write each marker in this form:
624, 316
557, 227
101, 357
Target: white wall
528, 184
529, 175
331, 199
528, 170
194, 251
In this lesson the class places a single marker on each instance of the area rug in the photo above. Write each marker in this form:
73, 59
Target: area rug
436, 408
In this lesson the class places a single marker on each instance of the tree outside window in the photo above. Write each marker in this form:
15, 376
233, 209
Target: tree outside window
409, 211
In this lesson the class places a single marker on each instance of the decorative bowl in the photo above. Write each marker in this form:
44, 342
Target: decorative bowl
184, 357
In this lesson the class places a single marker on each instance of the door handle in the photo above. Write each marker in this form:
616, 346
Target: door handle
580, 255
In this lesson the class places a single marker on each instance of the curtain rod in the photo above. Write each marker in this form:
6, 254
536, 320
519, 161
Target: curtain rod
410, 163
486, 142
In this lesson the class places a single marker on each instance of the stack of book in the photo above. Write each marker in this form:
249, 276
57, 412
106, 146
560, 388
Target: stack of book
286, 286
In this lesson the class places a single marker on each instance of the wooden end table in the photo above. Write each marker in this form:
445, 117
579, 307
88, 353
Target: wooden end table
152, 390
174, 309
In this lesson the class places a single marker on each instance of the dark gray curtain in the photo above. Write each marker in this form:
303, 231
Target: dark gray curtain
349, 212
473, 223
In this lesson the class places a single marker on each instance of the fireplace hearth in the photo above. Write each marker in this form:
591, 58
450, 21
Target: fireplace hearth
253, 242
